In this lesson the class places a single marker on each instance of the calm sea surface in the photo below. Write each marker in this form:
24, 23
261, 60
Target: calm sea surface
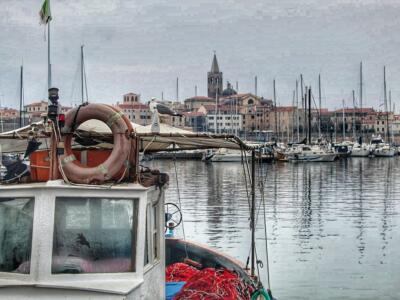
333, 228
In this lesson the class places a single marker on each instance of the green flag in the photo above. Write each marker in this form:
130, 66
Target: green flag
45, 13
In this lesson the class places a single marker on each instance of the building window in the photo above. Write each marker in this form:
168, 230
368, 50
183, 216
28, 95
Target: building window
16, 223
94, 235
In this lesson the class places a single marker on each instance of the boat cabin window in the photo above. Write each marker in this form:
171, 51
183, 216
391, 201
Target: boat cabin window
152, 245
16, 222
94, 235
306, 149
376, 142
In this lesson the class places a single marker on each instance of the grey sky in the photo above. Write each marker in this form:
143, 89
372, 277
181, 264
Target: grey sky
142, 46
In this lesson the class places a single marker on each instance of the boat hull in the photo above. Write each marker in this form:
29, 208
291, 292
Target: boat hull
360, 153
312, 158
226, 158
177, 250
384, 153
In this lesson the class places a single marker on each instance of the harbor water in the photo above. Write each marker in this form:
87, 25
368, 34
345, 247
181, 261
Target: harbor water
333, 228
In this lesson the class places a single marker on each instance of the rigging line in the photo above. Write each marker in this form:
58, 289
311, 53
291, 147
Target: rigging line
245, 178
179, 199
266, 236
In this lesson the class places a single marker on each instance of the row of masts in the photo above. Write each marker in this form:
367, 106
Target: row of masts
306, 105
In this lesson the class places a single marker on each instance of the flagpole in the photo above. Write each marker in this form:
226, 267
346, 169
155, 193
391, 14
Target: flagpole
48, 57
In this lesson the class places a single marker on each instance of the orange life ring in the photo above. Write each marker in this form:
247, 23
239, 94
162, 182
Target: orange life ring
120, 155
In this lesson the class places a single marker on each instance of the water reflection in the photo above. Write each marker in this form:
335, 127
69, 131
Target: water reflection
332, 226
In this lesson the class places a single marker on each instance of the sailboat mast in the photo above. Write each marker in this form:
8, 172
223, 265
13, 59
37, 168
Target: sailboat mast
82, 78
304, 105
293, 114
361, 101
297, 110
216, 112
354, 116
386, 106
343, 123
319, 108
21, 96
309, 115
276, 113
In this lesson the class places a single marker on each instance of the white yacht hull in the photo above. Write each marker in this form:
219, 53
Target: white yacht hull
329, 157
360, 152
226, 158
384, 152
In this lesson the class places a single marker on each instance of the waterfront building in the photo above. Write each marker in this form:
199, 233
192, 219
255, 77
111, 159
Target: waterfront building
136, 111
9, 119
196, 121
35, 110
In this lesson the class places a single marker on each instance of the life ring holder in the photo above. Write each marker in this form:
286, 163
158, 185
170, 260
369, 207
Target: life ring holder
121, 129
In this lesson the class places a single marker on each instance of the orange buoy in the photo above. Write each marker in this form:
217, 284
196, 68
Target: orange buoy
121, 129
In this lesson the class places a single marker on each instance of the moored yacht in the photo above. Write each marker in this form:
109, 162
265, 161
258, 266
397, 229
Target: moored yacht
309, 153
226, 155
360, 150
381, 149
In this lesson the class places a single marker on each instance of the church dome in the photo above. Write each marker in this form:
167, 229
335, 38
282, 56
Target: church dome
229, 91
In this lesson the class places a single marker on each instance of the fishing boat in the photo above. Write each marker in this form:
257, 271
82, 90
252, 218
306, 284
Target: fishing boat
85, 222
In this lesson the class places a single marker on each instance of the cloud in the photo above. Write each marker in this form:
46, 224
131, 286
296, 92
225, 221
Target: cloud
142, 46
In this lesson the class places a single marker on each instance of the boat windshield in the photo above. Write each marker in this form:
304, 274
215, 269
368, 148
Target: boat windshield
94, 235
16, 222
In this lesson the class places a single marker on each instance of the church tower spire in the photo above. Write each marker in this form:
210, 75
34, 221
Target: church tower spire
214, 79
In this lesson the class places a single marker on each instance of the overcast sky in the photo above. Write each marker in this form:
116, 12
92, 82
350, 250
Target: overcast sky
142, 46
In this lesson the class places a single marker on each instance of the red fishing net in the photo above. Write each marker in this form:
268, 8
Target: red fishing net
179, 272
211, 284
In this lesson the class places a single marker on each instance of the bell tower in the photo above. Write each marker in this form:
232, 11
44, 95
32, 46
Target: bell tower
214, 79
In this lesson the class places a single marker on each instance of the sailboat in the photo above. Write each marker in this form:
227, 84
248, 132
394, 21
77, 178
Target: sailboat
361, 149
379, 147
308, 152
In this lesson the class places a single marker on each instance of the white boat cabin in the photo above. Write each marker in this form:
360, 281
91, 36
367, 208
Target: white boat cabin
61, 241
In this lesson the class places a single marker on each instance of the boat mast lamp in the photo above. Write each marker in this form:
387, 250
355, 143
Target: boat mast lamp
52, 111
